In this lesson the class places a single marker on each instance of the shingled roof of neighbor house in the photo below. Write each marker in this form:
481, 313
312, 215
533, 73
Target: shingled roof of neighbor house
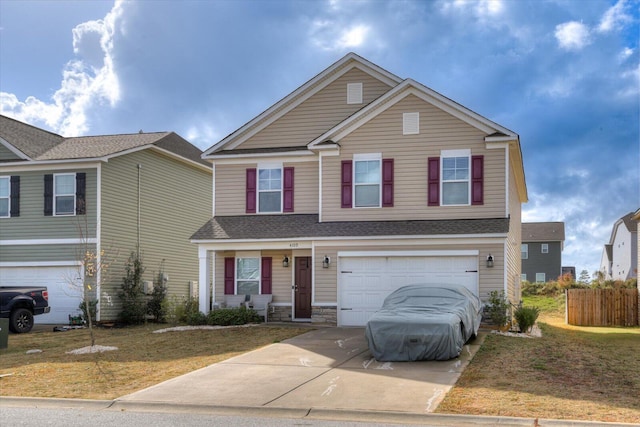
543, 231
307, 226
41, 145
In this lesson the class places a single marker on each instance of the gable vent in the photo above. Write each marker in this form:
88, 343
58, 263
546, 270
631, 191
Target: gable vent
410, 123
354, 93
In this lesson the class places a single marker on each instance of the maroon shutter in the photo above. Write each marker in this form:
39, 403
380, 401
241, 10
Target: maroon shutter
347, 171
434, 181
387, 183
229, 276
266, 276
48, 195
287, 190
477, 178
15, 195
81, 184
251, 191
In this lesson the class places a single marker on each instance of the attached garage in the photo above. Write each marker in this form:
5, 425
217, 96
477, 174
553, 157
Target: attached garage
64, 298
364, 280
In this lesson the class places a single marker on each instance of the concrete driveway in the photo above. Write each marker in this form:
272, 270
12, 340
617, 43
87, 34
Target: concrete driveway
327, 368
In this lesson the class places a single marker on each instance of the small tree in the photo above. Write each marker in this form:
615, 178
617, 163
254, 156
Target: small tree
156, 305
498, 308
134, 307
584, 278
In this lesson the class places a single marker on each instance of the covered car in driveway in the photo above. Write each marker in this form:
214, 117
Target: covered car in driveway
424, 322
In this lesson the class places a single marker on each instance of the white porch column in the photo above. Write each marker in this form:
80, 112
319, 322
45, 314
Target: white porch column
204, 279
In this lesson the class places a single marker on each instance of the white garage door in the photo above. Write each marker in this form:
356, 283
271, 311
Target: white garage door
365, 282
64, 298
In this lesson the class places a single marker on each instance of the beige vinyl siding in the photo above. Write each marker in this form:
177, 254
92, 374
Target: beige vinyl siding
317, 114
175, 200
44, 253
438, 131
33, 224
514, 241
489, 279
6, 154
231, 188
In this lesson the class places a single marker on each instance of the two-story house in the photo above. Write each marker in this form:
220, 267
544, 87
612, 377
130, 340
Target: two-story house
542, 245
619, 259
107, 195
356, 183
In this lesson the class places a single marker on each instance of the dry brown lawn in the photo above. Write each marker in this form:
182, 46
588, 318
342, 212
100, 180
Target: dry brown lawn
569, 373
143, 358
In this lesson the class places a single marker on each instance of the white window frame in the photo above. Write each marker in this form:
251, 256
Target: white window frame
56, 195
368, 157
248, 255
269, 166
544, 248
524, 251
448, 154
542, 276
8, 196
523, 277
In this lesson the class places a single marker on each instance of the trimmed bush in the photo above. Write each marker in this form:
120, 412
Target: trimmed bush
232, 316
526, 317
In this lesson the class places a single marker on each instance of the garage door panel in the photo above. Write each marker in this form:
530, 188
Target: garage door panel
366, 281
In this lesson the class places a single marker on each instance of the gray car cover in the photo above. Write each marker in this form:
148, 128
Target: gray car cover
424, 322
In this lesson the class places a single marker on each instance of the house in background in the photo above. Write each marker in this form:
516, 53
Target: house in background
356, 183
542, 246
620, 256
61, 197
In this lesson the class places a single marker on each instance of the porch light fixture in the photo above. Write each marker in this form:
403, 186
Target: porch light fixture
490, 261
285, 261
326, 261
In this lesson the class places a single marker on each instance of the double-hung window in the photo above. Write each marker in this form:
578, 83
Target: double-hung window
524, 251
367, 177
247, 275
455, 177
64, 195
544, 248
270, 188
5, 197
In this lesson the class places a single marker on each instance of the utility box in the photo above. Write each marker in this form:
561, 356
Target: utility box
4, 333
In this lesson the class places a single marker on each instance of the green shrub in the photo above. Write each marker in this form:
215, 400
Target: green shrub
134, 305
93, 305
497, 308
232, 316
526, 317
180, 310
196, 318
155, 305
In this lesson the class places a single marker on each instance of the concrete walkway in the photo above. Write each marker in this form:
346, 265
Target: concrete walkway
327, 368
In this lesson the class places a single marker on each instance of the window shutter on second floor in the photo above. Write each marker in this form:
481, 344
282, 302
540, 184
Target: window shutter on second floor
347, 170
48, 195
251, 191
266, 275
81, 184
15, 196
287, 190
229, 275
477, 178
387, 182
433, 182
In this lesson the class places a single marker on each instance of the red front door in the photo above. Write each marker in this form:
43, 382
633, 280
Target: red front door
302, 287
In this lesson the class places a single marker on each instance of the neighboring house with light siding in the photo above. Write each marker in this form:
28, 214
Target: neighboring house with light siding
619, 259
542, 246
357, 183
107, 194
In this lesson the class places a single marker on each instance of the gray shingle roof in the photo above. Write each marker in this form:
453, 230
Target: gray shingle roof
307, 226
542, 232
41, 145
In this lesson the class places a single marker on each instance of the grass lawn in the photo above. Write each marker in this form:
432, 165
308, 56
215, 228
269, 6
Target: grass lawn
581, 373
143, 358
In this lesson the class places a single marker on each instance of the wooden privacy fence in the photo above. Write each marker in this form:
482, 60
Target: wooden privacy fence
602, 307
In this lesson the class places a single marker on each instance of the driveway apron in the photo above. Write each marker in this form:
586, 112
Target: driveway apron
327, 368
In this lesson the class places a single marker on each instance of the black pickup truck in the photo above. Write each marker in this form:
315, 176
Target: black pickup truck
20, 304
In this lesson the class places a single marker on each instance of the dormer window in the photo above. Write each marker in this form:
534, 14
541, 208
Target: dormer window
354, 93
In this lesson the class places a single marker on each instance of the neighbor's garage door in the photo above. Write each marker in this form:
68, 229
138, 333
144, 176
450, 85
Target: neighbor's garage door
64, 298
365, 282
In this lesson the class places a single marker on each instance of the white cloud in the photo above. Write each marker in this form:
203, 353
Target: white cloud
86, 81
572, 35
353, 37
327, 35
615, 17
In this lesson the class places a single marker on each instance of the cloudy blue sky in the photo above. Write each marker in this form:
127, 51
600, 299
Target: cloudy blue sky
564, 74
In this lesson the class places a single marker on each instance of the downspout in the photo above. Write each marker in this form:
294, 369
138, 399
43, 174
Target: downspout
139, 209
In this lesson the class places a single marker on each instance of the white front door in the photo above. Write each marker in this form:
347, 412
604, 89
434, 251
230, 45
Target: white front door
364, 282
